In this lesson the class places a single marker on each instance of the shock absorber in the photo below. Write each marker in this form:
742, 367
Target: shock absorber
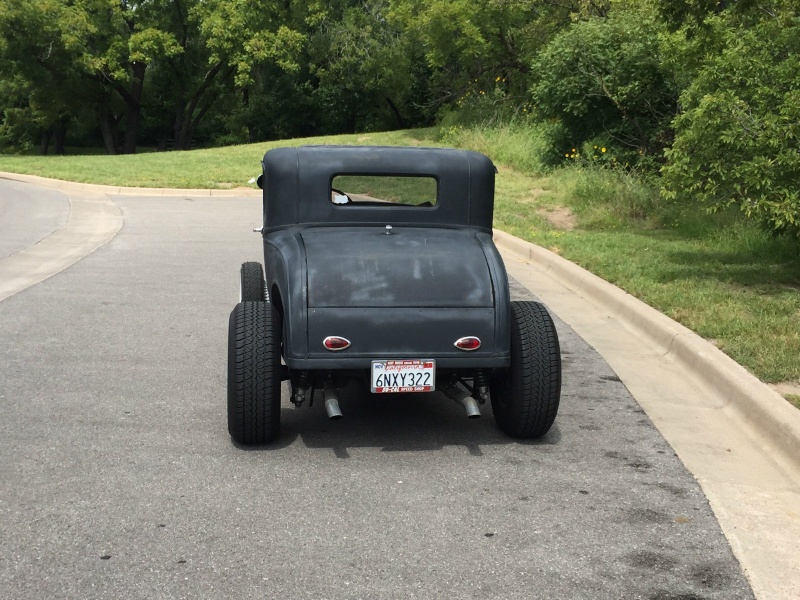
300, 389
481, 385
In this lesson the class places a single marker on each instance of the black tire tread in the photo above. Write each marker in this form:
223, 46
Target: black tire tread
254, 375
525, 404
252, 279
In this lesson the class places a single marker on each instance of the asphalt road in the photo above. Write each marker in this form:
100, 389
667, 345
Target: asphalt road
26, 217
119, 479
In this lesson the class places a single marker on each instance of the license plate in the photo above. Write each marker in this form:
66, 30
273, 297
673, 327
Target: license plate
403, 376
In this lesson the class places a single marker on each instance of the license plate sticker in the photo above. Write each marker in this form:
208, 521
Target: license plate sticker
403, 376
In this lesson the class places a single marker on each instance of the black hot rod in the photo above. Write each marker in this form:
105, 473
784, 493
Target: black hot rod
380, 268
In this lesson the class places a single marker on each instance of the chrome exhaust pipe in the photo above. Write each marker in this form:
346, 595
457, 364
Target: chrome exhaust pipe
471, 406
331, 396
463, 397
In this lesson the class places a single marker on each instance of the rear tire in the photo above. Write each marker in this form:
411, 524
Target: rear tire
525, 397
251, 282
254, 373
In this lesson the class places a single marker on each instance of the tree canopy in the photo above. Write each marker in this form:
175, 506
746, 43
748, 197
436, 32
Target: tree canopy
702, 93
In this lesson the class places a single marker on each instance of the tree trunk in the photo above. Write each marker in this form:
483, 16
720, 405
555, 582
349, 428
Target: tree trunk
401, 122
44, 145
108, 126
350, 122
186, 118
133, 101
183, 132
59, 137
177, 125
251, 130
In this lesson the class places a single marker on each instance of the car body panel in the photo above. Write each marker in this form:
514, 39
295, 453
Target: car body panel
406, 292
408, 267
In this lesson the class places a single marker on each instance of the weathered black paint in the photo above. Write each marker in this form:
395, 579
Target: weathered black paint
297, 184
408, 292
409, 267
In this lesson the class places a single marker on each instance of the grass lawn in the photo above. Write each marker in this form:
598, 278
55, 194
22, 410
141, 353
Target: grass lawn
720, 277
213, 168
731, 283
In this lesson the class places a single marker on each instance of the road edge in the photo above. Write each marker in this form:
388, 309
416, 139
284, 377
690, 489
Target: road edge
116, 190
93, 221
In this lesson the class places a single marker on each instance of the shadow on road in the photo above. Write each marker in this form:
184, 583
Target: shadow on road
393, 423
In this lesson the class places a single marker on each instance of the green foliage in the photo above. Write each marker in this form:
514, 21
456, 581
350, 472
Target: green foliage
612, 198
604, 77
29, 65
691, 13
78, 61
589, 83
149, 44
473, 47
522, 144
364, 71
247, 33
738, 141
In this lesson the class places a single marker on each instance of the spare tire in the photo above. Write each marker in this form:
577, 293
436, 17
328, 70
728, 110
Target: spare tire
251, 283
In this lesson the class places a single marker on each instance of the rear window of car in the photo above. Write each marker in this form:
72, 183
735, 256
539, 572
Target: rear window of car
382, 190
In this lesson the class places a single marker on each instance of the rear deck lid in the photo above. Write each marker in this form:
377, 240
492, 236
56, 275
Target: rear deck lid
406, 267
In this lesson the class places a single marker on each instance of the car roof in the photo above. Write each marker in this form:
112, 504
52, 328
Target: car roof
297, 185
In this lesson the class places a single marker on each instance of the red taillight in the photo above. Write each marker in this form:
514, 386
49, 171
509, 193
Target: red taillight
468, 343
335, 343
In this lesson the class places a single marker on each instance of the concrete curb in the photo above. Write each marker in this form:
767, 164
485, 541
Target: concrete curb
765, 410
113, 190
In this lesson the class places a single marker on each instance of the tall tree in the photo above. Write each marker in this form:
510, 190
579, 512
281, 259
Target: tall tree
41, 94
105, 45
243, 35
186, 85
363, 69
115, 41
471, 46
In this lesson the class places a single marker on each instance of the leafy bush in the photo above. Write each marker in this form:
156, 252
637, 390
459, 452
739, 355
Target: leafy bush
604, 77
738, 141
